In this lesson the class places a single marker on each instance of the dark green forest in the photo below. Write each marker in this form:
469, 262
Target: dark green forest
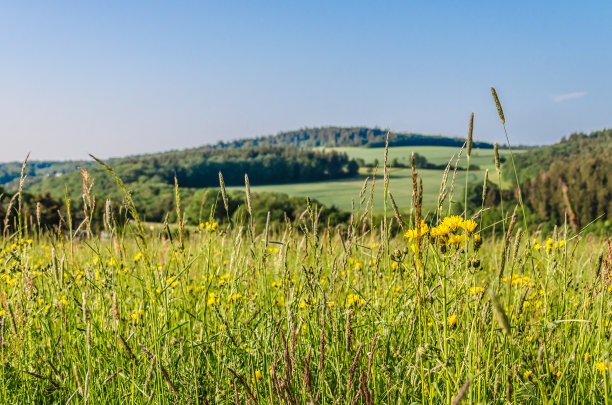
576, 146
567, 182
197, 168
573, 176
264, 165
351, 136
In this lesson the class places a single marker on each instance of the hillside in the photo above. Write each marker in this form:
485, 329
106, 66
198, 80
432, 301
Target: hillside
348, 136
573, 176
154, 175
38, 171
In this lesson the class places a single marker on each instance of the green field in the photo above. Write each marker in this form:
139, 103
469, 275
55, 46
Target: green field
340, 193
439, 155
231, 315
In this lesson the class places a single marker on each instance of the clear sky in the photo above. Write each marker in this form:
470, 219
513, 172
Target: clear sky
126, 77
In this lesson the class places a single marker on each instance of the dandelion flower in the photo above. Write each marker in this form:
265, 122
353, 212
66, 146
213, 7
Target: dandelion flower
468, 226
412, 233
453, 222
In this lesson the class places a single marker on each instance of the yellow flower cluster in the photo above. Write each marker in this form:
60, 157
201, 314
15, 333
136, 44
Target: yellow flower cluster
354, 300
412, 233
515, 279
550, 245
208, 226
447, 231
234, 297
476, 290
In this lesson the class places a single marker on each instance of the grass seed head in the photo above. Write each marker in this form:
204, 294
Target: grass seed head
499, 313
470, 136
223, 192
496, 154
500, 111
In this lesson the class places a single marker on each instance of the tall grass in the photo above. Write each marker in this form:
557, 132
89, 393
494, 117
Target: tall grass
245, 313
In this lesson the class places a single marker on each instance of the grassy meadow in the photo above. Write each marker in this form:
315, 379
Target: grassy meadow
439, 155
441, 312
341, 193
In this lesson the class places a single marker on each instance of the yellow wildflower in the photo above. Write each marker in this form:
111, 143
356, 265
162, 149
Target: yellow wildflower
453, 222
476, 290
209, 226
440, 230
468, 225
354, 300
456, 239
412, 233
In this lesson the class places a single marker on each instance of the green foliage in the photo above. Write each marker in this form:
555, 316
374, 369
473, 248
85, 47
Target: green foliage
197, 168
573, 178
578, 145
351, 136
48, 215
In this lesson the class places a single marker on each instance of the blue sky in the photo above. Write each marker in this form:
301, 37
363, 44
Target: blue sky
118, 78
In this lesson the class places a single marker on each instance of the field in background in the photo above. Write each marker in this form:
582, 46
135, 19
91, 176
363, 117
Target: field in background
341, 192
435, 154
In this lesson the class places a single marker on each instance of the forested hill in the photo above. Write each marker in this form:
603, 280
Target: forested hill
38, 171
573, 176
200, 168
351, 136
150, 179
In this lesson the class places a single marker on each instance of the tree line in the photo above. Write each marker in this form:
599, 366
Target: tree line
348, 136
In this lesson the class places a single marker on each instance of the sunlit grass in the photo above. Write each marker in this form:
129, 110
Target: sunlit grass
310, 317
